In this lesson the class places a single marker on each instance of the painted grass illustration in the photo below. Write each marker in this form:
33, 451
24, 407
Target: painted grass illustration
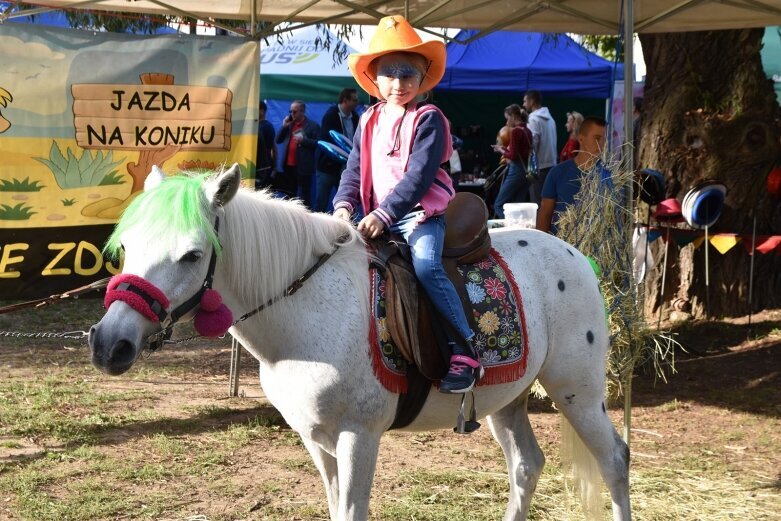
68, 202
73, 172
20, 212
15, 185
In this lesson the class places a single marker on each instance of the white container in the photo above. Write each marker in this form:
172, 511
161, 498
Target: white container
520, 215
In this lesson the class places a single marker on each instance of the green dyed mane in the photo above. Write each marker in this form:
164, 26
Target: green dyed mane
175, 207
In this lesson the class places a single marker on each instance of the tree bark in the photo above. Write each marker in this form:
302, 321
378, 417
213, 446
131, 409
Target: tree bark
709, 112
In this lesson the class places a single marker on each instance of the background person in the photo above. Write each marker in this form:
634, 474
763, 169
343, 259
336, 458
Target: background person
298, 136
343, 119
543, 128
515, 186
570, 149
564, 180
266, 157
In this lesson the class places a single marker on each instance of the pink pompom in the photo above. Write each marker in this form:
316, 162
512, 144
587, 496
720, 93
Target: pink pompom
213, 323
210, 300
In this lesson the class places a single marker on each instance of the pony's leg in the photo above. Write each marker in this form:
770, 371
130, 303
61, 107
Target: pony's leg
356, 455
511, 428
329, 471
584, 408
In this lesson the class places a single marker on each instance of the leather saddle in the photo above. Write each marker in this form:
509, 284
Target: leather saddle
413, 324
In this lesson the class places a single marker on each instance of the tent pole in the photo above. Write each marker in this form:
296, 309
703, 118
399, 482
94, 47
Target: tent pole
253, 18
628, 28
751, 270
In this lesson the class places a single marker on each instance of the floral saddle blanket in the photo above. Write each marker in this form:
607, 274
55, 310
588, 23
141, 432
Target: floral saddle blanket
498, 316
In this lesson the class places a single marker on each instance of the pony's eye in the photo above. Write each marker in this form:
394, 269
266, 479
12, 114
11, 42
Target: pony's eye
191, 256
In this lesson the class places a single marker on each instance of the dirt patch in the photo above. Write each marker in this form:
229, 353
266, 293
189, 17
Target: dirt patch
722, 404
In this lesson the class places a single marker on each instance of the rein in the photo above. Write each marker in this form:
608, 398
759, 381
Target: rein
53, 299
131, 287
157, 340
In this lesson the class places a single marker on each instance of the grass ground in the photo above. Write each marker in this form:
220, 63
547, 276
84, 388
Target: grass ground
164, 442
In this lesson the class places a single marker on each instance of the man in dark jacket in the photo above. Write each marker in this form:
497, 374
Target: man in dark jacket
266, 157
298, 136
343, 119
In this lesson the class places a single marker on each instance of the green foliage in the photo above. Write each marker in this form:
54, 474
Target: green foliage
16, 185
116, 22
603, 45
79, 172
20, 212
68, 202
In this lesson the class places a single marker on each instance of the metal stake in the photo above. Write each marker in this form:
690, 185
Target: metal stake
751, 270
233, 379
707, 276
664, 276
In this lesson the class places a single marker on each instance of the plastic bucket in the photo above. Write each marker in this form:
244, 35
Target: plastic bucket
522, 215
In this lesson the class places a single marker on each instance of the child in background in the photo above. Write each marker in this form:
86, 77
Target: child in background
393, 172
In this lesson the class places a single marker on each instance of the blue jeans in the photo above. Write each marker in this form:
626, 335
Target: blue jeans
324, 183
426, 240
514, 189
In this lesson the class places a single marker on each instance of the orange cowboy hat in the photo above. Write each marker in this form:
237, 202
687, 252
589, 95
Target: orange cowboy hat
395, 34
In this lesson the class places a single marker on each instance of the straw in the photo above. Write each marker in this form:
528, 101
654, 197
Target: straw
598, 224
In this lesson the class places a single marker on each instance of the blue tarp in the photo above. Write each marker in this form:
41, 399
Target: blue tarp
508, 61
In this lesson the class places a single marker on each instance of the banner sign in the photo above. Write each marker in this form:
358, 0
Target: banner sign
83, 118
53, 258
133, 117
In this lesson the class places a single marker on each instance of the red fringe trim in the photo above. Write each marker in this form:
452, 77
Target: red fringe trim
511, 372
393, 382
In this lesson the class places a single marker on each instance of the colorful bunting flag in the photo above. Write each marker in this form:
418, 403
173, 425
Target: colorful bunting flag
768, 244
724, 242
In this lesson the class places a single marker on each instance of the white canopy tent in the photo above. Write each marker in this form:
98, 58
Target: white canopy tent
575, 16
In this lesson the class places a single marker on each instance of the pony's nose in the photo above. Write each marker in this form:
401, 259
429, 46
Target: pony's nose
110, 356
121, 356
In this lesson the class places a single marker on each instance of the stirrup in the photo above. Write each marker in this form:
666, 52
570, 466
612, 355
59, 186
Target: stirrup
470, 426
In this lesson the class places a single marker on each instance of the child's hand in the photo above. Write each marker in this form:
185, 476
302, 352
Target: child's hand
342, 213
371, 226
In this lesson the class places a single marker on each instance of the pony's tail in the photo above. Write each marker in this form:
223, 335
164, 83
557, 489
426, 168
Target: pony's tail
582, 469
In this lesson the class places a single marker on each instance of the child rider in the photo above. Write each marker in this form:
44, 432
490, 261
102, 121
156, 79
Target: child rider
393, 171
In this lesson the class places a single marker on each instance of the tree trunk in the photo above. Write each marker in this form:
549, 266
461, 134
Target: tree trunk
709, 112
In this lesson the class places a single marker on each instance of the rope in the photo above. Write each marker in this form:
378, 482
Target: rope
45, 335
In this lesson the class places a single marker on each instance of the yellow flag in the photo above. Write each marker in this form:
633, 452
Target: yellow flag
724, 242
698, 241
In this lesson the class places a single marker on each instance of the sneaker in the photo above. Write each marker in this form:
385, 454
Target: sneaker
461, 376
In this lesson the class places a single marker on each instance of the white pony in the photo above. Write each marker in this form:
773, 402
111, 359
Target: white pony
315, 366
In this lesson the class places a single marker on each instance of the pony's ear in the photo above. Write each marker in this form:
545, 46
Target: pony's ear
154, 178
222, 188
